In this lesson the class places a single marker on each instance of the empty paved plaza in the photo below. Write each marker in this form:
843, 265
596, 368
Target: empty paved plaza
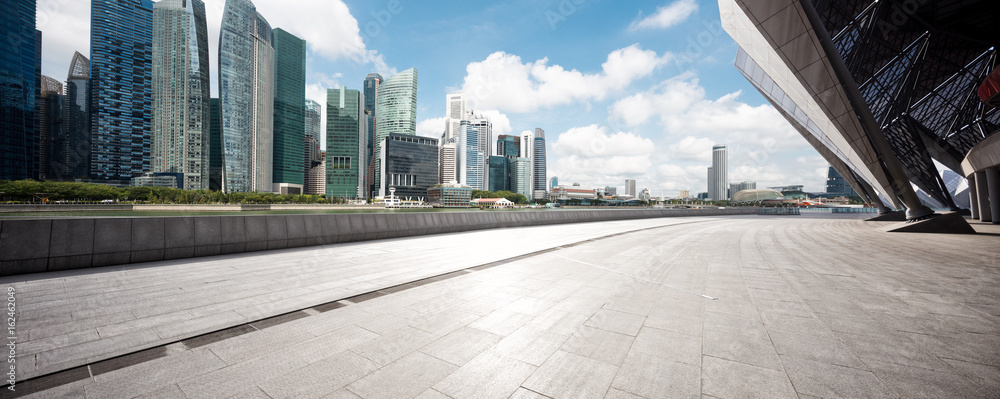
712, 307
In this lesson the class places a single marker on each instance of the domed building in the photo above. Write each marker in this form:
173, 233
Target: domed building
750, 196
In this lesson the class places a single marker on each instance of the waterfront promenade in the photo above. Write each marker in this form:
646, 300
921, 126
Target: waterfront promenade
723, 307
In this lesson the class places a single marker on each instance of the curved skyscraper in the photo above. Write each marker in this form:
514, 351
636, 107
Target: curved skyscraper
246, 95
396, 107
181, 93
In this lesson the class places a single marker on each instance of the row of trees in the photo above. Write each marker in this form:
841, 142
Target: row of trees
512, 197
47, 191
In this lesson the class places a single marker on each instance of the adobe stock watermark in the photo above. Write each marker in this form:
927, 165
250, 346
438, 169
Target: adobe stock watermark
898, 17
697, 45
381, 18
563, 10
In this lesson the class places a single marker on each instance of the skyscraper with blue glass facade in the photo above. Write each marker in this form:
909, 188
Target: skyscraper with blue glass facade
371, 85
289, 112
121, 68
18, 88
346, 130
246, 96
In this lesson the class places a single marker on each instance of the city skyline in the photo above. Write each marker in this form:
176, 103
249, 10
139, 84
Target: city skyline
634, 139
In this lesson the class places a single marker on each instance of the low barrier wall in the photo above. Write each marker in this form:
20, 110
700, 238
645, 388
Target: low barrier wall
45, 245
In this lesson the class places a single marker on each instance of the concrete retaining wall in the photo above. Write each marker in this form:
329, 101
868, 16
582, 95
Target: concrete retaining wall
45, 245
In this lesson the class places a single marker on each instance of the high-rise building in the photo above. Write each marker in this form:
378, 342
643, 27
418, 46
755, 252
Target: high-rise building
521, 183
411, 165
685, 194
215, 156
121, 87
837, 185
346, 129
499, 174
49, 107
313, 155
449, 162
508, 146
538, 165
455, 113
718, 179
553, 182
288, 175
70, 151
630, 188
371, 85
745, 185
246, 91
396, 109
18, 90
180, 137
472, 160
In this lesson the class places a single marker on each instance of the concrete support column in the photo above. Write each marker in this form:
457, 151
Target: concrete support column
973, 198
983, 192
993, 181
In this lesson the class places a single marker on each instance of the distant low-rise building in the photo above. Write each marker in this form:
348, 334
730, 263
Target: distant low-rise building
450, 196
492, 203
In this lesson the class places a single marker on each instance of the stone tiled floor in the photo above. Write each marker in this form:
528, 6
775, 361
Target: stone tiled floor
804, 307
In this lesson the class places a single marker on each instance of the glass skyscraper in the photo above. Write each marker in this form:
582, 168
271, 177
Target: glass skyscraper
49, 109
312, 154
246, 91
181, 94
410, 165
499, 176
215, 145
346, 129
70, 155
372, 83
538, 166
121, 84
289, 110
472, 159
718, 184
396, 112
18, 88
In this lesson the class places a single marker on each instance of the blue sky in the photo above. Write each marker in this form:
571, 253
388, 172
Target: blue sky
641, 90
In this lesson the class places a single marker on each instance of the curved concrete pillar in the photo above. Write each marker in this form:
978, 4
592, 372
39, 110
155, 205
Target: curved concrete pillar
973, 198
993, 181
982, 186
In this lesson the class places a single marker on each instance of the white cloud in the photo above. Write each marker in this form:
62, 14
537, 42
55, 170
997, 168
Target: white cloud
592, 156
65, 27
671, 97
692, 149
432, 128
666, 16
502, 81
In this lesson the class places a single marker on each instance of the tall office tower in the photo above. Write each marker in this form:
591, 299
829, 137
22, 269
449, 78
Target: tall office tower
289, 113
472, 159
484, 143
180, 140
18, 89
719, 176
410, 165
216, 154
49, 107
630, 188
711, 182
371, 84
538, 166
521, 178
836, 184
508, 146
72, 154
121, 88
455, 113
246, 91
527, 150
396, 112
346, 129
313, 154
499, 174
448, 162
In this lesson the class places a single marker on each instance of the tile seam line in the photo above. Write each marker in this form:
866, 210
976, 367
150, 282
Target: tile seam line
426, 280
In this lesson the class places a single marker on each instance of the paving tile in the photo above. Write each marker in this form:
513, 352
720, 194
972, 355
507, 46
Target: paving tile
566, 375
444, 322
150, 376
389, 348
752, 348
462, 345
234, 379
342, 394
600, 345
489, 375
916, 382
405, 378
823, 350
827, 380
530, 305
722, 378
656, 377
522, 393
614, 321
634, 306
530, 345
432, 394
898, 350
502, 322
985, 375
673, 346
319, 378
